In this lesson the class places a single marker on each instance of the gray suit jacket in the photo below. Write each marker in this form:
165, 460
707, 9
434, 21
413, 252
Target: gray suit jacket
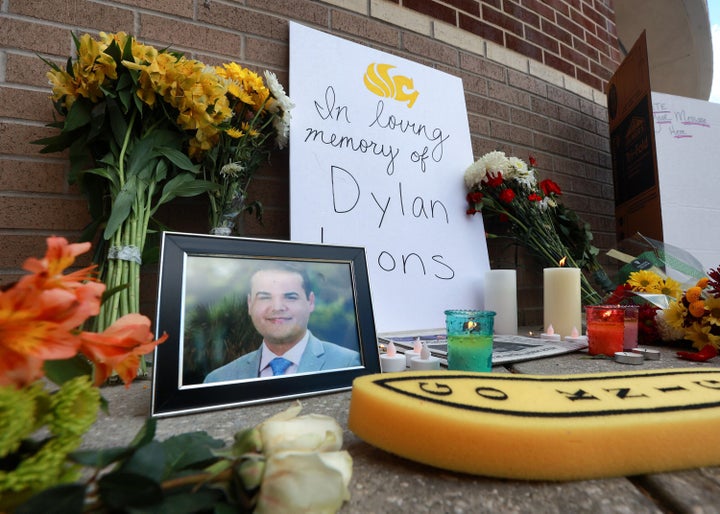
318, 356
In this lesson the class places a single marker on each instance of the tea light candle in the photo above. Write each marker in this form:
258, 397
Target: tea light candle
561, 299
391, 360
575, 337
550, 335
415, 352
501, 297
648, 354
425, 361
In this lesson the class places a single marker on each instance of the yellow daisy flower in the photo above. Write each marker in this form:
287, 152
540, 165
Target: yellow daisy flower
670, 287
644, 281
700, 336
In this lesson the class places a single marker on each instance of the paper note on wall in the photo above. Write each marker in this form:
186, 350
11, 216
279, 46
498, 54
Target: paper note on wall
687, 134
378, 148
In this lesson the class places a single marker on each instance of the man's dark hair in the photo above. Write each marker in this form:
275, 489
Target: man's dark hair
290, 267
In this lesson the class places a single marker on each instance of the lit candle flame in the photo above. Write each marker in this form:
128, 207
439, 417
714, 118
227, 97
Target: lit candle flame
561, 263
391, 352
470, 325
550, 330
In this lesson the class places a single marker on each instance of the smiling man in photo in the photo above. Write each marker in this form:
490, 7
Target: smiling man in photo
280, 304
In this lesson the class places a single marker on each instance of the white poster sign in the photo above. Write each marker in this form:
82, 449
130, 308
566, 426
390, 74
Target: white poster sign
687, 135
378, 148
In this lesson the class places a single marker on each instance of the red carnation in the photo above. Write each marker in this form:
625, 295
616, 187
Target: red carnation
494, 180
534, 197
474, 197
532, 160
507, 196
548, 186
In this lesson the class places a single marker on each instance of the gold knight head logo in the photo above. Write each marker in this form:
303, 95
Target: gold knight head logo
378, 81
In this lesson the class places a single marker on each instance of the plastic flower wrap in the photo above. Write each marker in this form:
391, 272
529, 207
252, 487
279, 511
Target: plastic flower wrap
507, 188
42, 341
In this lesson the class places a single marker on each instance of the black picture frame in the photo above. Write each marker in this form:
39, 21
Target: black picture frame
176, 384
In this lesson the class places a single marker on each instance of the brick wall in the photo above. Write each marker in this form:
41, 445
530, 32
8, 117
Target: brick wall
533, 73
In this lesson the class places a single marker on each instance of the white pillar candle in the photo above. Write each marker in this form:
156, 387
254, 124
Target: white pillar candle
562, 307
501, 297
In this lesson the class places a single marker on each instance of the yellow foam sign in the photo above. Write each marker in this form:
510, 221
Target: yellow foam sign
543, 427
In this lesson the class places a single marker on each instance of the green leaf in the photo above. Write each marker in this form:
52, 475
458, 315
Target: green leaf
118, 123
100, 458
61, 499
78, 116
60, 371
182, 185
122, 206
190, 450
178, 158
146, 433
186, 503
147, 461
120, 490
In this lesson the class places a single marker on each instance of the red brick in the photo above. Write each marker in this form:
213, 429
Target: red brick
365, 28
433, 9
184, 8
509, 95
270, 52
243, 20
541, 39
589, 79
539, 7
500, 19
35, 37
522, 46
296, 10
513, 8
28, 70
25, 105
16, 138
178, 34
482, 29
431, 49
528, 119
43, 213
33, 176
487, 107
560, 6
472, 7
75, 13
570, 26
559, 64
555, 31
527, 82
575, 57
482, 66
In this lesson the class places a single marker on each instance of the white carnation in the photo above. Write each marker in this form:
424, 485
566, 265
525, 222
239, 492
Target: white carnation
475, 174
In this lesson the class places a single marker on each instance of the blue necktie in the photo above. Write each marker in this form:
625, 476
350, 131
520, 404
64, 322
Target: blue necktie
279, 365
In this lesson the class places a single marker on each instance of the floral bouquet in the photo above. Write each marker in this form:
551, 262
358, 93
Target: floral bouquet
259, 120
41, 342
49, 372
506, 187
670, 313
133, 116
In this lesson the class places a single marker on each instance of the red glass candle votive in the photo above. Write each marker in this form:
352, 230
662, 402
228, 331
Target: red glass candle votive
605, 329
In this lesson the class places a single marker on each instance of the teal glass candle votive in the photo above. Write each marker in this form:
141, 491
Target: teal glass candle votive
469, 339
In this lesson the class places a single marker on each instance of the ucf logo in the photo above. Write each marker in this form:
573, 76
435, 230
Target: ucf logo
379, 82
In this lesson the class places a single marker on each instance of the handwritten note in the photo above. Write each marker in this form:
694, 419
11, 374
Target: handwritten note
378, 148
687, 133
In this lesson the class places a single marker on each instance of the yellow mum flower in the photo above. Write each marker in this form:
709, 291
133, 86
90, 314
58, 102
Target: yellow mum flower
644, 281
703, 282
697, 308
693, 294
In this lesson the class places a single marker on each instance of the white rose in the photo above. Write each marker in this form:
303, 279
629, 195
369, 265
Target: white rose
310, 433
301, 482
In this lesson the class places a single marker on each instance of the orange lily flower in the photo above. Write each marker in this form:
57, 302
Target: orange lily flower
48, 271
119, 347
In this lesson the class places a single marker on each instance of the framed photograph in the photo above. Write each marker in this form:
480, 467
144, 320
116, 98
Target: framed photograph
255, 320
